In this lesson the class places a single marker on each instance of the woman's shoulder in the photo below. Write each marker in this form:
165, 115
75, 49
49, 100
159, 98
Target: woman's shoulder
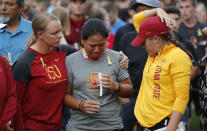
179, 55
179, 52
112, 52
113, 55
27, 55
25, 59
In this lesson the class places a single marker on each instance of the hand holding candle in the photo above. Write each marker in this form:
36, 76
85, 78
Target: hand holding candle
107, 82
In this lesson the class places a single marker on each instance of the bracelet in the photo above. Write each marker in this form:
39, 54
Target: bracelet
119, 88
79, 106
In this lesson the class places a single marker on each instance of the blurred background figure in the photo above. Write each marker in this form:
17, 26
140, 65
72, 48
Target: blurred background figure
40, 6
203, 87
15, 35
63, 4
90, 5
63, 15
129, 27
191, 28
28, 13
122, 4
115, 21
53, 3
124, 15
166, 3
77, 18
201, 12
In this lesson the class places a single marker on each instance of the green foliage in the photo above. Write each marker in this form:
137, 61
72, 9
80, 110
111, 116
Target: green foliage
195, 122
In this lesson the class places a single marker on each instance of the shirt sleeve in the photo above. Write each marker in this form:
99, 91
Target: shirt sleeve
69, 69
10, 101
138, 19
68, 49
18, 121
180, 71
21, 71
122, 74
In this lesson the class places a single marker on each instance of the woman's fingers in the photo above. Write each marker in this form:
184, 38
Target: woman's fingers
91, 106
125, 61
108, 82
165, 18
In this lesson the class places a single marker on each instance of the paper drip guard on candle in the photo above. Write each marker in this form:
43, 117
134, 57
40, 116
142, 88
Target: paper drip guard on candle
101, 86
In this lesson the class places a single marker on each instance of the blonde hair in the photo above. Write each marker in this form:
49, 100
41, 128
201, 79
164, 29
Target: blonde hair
39, 23
63, 15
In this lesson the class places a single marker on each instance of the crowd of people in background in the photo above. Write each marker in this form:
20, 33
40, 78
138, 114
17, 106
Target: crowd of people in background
102, 65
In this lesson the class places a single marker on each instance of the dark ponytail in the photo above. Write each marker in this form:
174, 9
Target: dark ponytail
171, 37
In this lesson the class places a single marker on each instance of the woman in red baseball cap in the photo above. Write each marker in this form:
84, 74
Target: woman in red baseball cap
164, 91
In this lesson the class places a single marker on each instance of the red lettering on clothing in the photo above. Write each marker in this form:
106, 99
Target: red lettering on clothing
156, 91
157, 72
93, 80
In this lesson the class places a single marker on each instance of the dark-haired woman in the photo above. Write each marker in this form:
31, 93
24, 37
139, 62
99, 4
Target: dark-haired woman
164, 92
95, 101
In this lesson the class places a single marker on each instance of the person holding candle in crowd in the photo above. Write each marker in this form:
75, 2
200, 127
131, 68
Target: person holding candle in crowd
94, 109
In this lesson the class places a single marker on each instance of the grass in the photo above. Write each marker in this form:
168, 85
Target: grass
195, 122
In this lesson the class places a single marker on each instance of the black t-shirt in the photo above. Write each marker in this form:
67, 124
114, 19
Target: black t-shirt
194, 35
188, 46
120, 32
137, 59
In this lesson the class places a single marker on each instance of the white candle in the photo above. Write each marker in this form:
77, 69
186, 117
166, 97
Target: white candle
101, 86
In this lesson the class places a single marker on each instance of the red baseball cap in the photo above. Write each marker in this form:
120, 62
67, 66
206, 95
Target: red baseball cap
150, 27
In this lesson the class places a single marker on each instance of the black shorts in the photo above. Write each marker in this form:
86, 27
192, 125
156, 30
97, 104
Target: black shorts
159, 125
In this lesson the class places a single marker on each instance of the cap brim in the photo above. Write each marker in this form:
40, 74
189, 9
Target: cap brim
138, 41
